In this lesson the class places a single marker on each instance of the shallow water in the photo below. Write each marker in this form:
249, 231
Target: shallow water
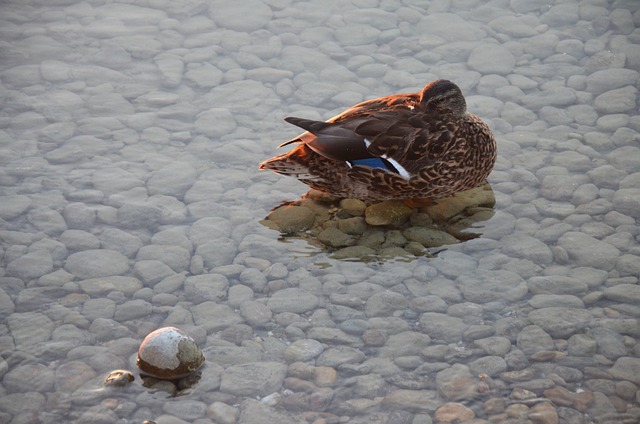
130, 135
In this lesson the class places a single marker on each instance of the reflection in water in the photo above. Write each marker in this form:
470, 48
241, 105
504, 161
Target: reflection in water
352, 229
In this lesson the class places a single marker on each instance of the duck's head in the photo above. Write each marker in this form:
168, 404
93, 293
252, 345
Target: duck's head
444, 97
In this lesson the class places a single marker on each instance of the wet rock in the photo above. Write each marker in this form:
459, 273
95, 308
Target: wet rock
292, 219
256, 412
429, 237
96, 263
353, 207
29, 378
303, 350
214, 316
292, 300
390, 212
416, 401
253, 379
333, 237
588, 251
169, 353
31, 265
119, 378
543, 413
561, 322
441, 326
454, 412
625, 368
456, 382
255, 313
223, 413
12, 206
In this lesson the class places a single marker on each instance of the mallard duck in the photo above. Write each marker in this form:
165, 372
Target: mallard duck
406, 146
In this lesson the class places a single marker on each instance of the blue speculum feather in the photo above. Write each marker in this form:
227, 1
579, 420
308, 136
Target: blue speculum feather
374, 163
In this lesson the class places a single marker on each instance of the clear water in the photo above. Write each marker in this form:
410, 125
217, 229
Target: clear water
150, 117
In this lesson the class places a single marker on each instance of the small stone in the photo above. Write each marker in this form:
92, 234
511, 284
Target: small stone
583, 401
223, 413
169, 353
292, 300
96, 263
456, 382
429, 237
543, 413
588, 251
353, 207
561, 322
256, 314
13, 206
352, 226
390, 212
119, 378
560, 396
303, 350
626, 368
292, 219
253, 379
333, 237
417, 401
454, 412
324, 376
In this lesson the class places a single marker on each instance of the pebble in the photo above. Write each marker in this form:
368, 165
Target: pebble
96, 263
253, 379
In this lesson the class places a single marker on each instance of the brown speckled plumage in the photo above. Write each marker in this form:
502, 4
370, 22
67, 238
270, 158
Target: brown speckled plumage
429, 145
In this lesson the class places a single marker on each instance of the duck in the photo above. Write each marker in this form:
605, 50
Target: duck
422, 145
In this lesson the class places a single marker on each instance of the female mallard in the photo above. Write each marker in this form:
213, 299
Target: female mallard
407, 146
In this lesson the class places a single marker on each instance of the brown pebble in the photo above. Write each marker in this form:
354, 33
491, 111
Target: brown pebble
583, 401
543, 413
390, 212
547, 355
118, 378
325, 376
291, 219
333, 237
299, 385
618, 403
353, 207
626, 389
494, 406
352, 226
560, 396
374, 337
522, 394
454, 412
517, 410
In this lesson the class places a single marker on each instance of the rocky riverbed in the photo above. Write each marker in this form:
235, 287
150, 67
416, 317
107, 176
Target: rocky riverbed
130, 134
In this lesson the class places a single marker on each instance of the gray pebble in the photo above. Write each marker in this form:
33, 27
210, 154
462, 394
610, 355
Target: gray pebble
96, 263
253, 379
588, 251
292, 300
561, 322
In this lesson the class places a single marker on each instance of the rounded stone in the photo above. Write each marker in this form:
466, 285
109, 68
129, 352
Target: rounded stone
303, 350
291, 219
118, 378
169, 353
96, 263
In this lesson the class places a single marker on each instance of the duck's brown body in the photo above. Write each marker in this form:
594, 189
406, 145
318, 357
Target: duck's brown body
406, 146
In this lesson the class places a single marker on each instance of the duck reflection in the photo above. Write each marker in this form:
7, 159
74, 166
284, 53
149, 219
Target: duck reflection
351, 229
